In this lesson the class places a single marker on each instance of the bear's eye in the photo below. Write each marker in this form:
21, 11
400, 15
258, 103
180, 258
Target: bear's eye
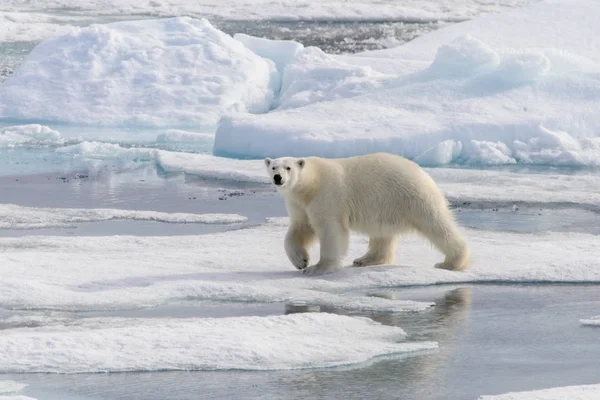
273, 168
288, 168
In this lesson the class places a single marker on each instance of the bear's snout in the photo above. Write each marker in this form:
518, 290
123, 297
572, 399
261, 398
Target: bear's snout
277, 179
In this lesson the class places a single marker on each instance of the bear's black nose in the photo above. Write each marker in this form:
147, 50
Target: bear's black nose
277, 179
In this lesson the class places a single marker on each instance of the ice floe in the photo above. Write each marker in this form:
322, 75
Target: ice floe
13, 216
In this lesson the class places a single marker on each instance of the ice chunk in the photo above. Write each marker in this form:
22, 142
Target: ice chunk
586, 392
440, 154
281, 52
18, 217
466, 55
248, 343
501, 89
593, 321
169, 72
314, 76
8, 390
213, 167
27, 134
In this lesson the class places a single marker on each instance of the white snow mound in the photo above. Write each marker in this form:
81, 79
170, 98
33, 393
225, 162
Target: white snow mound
169, 72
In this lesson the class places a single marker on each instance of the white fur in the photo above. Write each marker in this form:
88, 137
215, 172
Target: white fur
380, 195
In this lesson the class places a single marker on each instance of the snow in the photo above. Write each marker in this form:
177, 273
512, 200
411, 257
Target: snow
18, 217
82, 273
157, 73
593, 321
286, 10
500, 89
248, 343
585, 392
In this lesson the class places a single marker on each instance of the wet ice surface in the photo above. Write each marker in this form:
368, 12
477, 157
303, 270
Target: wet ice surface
493, 339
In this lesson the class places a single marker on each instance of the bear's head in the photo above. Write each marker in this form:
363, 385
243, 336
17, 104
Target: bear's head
284, 172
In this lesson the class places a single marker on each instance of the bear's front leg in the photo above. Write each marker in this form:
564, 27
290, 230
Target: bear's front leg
334, 245
297, 241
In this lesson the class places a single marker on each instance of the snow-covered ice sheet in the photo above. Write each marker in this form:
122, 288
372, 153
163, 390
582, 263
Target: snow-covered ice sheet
116, 273
328, 10
249, 343
593, 321
169, 73
585, 392
500, 89
13, 216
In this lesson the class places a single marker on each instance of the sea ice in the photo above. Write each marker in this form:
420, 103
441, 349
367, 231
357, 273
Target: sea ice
500, 89
279, 10
18, 217
122, 272
593, 321
586, 392
312, 340
159, 73
8, 390
11, 136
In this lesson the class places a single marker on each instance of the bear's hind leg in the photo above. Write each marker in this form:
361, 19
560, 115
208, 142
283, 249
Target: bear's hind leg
381, 251
334, 244
443, 233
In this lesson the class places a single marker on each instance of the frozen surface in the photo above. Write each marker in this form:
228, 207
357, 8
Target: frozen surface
8, 390
171, 72
21, 27
17, 217
249, 343
329, 10
250, 265
32, 134
593, 321
587, 392
500, 89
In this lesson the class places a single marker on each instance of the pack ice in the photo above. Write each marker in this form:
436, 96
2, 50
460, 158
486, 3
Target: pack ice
500, 89
172, 72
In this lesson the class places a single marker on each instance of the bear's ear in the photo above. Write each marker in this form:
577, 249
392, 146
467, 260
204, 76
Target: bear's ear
268, 161
301, 163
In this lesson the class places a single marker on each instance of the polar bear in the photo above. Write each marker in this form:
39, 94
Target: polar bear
380, 195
